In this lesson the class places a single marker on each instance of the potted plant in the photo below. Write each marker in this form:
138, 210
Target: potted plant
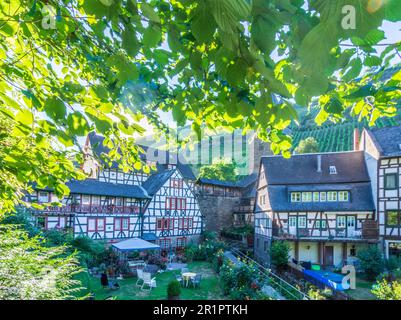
173, 290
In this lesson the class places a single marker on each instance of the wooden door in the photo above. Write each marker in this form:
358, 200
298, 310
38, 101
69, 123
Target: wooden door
328, 258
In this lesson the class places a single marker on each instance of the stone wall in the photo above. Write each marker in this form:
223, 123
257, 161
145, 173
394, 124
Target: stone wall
217, 211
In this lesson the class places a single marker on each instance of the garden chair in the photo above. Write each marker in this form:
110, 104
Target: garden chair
197, 280
139, 273
180, 279
148, 282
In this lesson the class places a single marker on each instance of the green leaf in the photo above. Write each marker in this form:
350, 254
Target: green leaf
77, 124
149, 12
55, 108
203, 24
152, 36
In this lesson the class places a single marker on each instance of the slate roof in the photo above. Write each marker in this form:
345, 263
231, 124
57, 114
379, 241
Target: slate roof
388, 140
156, 181
360, 198
302, 169
299, 173
242, 183
98, 148
100, 188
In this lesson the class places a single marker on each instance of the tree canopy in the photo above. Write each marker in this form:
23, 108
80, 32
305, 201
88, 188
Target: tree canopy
308, 145
221, 170
71, 66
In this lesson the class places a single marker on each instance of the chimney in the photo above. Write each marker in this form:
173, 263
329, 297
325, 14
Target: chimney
319, 163
356, 139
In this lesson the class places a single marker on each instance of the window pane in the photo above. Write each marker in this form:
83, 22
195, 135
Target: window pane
100, 225
392, 218
85, 199
91, 224
322, 196
316, 197
306, 196
302, 222
391, 181
125, 224
117, 222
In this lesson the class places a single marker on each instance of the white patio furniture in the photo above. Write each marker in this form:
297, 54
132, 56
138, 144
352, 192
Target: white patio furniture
140, 281
148, 282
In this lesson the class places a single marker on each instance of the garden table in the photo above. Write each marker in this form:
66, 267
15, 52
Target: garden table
187, 276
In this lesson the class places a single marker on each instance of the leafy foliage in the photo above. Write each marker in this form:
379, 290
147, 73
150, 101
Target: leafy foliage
71, 66
387, 291
220, 170
173, 289
280, 253
309, 145
371, 261
31, 271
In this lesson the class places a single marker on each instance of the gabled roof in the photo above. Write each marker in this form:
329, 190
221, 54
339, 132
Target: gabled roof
98, 148
387, 140
303, 168
360, 198
100, 188
156, 181
242, 183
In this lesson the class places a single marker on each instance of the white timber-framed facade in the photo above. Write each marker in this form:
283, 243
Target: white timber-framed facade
113, 205
321, 204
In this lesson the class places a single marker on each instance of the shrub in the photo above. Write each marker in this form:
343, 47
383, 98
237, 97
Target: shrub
280, 253
387, 291
91, 252
56, 237
393, 263
371, 261
173, 289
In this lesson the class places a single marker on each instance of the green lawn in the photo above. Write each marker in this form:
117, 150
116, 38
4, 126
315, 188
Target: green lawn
362, 291
209, 289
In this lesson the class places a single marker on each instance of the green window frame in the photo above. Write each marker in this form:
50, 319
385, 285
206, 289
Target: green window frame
302, 222
295, 196
387, 177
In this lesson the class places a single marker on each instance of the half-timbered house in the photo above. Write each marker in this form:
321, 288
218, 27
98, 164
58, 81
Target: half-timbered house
383, 158
321, 204
160, 206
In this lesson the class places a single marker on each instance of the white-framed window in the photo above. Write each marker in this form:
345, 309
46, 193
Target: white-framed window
316, 197
343, 196
43, 196
119, 202
295, 196
301, 222
341, 221
320, 224
332, 196
333, 170
323, 196
306, 196
86, 199
292, 222
95, 200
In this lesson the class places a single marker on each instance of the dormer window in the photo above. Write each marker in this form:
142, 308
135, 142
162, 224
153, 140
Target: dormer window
333, 170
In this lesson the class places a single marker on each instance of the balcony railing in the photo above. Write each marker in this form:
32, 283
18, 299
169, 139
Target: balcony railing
78, 208
369, 231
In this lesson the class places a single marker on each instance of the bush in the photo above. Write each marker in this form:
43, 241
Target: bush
393, 263
387, 291
91, 252
57, 237
173, 289
279, 254
371, 261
